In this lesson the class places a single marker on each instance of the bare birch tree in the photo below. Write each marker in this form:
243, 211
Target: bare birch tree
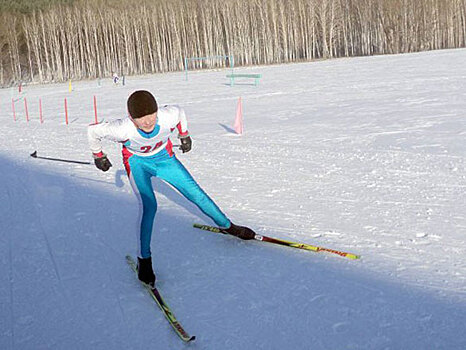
56, 40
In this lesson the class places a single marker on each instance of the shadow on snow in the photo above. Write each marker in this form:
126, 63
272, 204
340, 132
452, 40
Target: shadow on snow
65, 284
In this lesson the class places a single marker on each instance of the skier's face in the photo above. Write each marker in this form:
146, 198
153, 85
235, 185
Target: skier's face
146, 123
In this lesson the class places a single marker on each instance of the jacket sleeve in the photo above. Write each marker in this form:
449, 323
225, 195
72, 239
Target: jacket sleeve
182, 123
116, 131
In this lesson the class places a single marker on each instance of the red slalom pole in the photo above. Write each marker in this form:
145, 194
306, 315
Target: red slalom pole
40, 111
95, 109
66, 112
13, 108
26, 109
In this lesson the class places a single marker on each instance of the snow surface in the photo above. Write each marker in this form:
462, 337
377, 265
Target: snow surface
365, 155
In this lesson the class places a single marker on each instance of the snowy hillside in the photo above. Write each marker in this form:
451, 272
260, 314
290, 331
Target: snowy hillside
365, 155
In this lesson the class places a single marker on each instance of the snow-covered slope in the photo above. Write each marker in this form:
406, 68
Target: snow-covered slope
365, 155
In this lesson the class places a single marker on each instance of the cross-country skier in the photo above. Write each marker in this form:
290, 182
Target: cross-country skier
115, 78
147, 151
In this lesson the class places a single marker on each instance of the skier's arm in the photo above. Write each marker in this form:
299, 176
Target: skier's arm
113, 131
182, 125
183, 134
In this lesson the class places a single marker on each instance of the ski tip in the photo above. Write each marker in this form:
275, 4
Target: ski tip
353, 256
34, 154
191, 339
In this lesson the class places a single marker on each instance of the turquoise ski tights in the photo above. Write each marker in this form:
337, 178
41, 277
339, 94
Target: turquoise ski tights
169, 169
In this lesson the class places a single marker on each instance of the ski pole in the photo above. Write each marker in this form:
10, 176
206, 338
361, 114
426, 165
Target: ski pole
34, 155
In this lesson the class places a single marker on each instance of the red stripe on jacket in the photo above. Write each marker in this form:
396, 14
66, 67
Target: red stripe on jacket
180, 131
126, 156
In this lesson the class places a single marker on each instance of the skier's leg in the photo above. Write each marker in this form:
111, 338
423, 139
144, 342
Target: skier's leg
173, 172
140, 180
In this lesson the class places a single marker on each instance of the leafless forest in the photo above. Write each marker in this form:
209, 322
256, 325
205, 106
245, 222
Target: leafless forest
78, 39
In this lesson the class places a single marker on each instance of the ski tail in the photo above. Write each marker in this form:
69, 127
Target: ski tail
155, 294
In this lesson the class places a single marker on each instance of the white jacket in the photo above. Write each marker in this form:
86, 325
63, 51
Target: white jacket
137, 141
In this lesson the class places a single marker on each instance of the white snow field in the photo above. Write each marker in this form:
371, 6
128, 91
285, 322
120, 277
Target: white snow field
365, 155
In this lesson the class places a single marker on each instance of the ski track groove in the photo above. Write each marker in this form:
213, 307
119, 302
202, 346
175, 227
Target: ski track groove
57, 273
115, 293
49, 250
37, 210
10, 271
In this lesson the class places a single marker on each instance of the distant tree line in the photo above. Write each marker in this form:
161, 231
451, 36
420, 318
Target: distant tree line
57, 40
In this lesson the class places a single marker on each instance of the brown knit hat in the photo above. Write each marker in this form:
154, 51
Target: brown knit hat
141, 103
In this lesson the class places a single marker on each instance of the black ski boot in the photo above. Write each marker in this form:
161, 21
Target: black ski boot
145, 272
240, 232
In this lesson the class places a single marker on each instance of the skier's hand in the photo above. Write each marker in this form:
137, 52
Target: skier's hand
101, 161
186, 144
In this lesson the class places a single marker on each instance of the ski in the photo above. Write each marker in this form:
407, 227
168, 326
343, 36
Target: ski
155, 294
284, 243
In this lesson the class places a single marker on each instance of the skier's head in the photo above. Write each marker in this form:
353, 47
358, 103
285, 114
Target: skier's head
141, 103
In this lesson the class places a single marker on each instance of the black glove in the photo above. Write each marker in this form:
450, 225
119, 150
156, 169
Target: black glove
102, 162
186, 144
